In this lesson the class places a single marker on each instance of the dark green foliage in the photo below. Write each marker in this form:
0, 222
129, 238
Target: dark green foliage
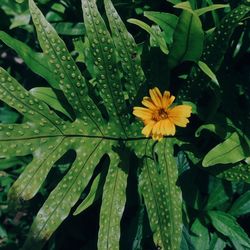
75, 170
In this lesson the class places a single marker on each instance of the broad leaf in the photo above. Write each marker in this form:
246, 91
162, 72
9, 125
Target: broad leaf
187, 41
166, 21
212, 7
241, 206
37, 62
216, 243
163, 202
217, 197
161, 43
204, 67
200, 239
232, 150
227, 225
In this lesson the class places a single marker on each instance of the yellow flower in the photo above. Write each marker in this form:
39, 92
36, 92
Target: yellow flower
158, 117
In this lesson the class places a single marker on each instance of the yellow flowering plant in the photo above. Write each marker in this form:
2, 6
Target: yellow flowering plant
159, 117
102, 140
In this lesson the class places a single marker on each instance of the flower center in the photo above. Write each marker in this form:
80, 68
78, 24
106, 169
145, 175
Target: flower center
160, 114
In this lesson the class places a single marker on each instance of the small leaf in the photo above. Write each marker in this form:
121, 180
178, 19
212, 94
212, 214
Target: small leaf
37, 62
232, 150
212, 7
188, 40
228, 226
241, 206
185, 6
147, 28
20, 20
166, 21
205, 68
216, 243
91, 197
216, 128
200, 239
48, 96
7, 115
217, 197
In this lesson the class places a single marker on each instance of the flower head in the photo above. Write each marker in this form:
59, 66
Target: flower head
159, 117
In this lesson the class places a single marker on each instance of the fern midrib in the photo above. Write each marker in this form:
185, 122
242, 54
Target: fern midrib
72, 83
106, 71
77, 136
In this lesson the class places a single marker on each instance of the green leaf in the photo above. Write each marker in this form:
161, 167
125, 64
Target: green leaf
113, 203
228, 226
107, 74
241, 206
37, 62
200, 239
215, 47
166, 21
216, 243
232, 150
49, 96
212, 7
126, 48
217, 197
237, 172
205, 68
91, 197
7, 115
20, 20
185, 6
9, 163
150, 31
221, 130
188, 40
163, 202
69, 29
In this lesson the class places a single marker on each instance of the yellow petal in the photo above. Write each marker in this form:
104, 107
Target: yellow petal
169, 127
156, 97
142, 113
147, 102
181, 111
156, 128
162, 127
167, 99
148, 128
179, 121
179, 114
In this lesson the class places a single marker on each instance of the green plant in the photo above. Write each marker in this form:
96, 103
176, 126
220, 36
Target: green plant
89, 112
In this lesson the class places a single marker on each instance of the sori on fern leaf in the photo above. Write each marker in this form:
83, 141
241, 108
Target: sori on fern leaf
47, 137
